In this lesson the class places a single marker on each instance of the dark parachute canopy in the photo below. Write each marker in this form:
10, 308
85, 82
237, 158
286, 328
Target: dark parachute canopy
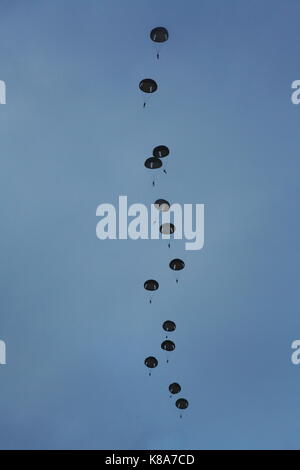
153, 163
162, 205
182, 403
151, 284
174, 388
169, 325
167, 229
147, 85
159, 34
177, 264
151, 362
168, 345
161, 151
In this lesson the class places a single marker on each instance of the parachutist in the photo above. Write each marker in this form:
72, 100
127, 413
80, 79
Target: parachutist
165, 172
169, 245
176, 281
153, 183
150, 301
144, 105
157, 56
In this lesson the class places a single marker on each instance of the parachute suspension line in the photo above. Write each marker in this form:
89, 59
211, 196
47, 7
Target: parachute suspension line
157, 47
150, 297
146, 100
153, 179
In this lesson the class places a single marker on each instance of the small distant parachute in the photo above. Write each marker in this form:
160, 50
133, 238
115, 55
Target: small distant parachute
147, 85
182, 404
162, 205
153, 163
167, 229
174, 388
159, 34
151, 285
151, 362
161, 151
177, 264
168, 345
169, 325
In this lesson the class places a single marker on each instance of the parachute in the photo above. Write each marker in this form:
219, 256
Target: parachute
174, 388
169, 325
182, 404
147, 85
159, 34
161, 151
167, 229
168, 345
153, 163
151, 285
177, 264
151, 362
162, 205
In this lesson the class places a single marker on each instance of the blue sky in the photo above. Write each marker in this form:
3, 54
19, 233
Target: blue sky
74, 314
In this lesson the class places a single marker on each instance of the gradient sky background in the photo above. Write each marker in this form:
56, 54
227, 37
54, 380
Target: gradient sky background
73, 135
